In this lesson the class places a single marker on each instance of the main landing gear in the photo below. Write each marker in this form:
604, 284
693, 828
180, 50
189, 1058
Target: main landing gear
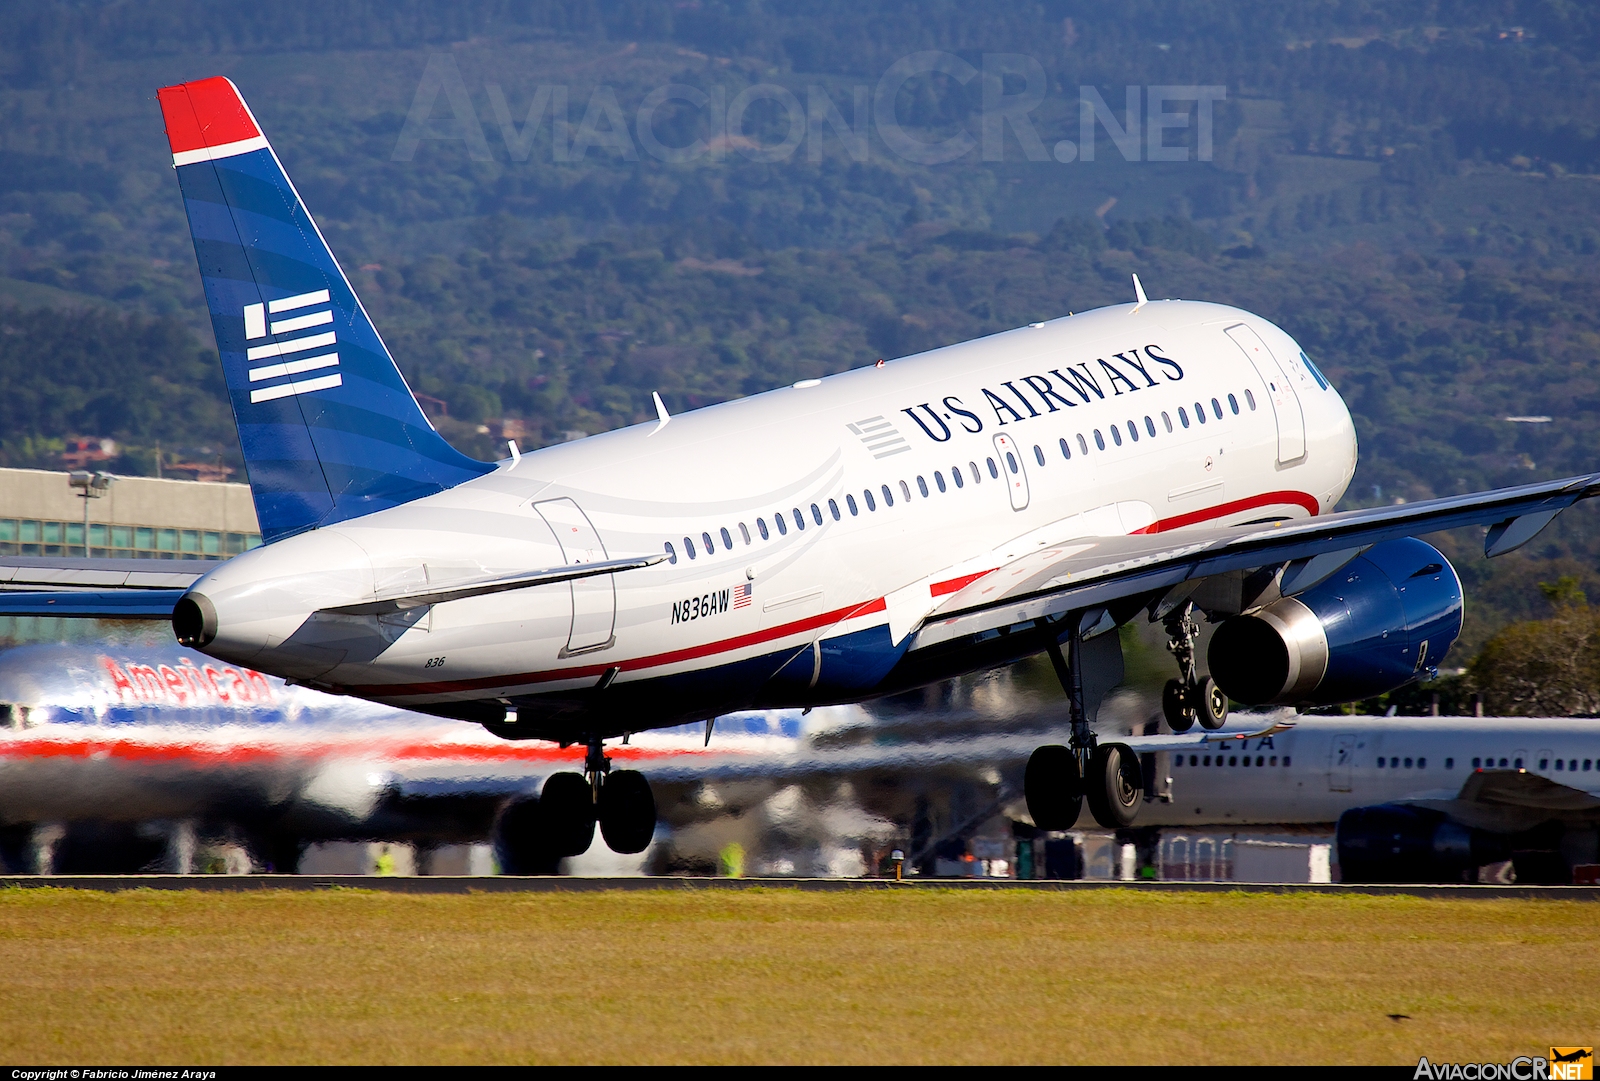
538, 834
1059, 779
1189, 697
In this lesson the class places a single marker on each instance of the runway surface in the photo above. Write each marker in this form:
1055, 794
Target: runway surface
563, 884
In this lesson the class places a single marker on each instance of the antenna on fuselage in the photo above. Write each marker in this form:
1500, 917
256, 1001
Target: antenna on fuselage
1138, 295
662, 416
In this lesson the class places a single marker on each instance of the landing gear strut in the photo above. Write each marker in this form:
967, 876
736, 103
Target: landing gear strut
619, 801
1059, 778
1189, 697
623, 803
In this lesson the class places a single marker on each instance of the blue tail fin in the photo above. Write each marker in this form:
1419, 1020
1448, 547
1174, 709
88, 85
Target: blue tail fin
329, 428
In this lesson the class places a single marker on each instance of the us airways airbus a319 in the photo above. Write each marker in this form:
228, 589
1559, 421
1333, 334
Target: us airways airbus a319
825, 542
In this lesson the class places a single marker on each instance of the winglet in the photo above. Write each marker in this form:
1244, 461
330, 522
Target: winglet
1138, 293
662, 416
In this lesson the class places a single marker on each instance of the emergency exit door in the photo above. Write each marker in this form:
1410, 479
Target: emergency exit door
1012, 470
1340, 761
1281, 393
594, 599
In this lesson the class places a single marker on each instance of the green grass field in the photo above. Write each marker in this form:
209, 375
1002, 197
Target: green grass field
787, 976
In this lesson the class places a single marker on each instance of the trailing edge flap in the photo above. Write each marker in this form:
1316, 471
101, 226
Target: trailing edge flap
66, 572
405, 601
1048, 583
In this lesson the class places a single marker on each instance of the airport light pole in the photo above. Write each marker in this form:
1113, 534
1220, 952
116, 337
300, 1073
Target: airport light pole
90, 486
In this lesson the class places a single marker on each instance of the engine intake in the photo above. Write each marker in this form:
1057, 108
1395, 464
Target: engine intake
1396, 843
1386, 618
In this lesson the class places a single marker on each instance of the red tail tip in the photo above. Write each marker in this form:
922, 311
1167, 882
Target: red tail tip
207, 113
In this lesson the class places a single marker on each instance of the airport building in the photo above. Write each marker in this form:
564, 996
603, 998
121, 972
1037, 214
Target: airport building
42, 513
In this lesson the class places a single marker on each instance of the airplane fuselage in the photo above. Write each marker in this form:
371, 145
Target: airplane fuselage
807, 530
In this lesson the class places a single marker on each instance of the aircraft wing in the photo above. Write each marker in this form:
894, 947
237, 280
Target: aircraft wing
72, 573
1510, 800
1092, 572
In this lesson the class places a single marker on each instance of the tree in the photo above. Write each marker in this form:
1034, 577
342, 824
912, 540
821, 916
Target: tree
1544, 668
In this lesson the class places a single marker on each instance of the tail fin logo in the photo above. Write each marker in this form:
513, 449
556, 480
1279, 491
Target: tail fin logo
261, 321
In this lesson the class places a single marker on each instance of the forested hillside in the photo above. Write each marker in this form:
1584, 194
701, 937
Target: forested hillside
1405, 187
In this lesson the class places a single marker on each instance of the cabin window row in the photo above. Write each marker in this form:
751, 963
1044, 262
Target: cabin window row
1231, 760
1132, 427
1566, 765
797, 516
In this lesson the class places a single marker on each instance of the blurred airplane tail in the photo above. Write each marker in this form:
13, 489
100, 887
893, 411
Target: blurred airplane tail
329, 428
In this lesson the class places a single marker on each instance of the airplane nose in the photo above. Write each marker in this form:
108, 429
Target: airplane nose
194, 620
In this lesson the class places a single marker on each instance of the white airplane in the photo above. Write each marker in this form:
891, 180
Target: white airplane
827, 542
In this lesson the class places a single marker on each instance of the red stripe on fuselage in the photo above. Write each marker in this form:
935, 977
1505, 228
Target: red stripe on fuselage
688, 653
1209, 514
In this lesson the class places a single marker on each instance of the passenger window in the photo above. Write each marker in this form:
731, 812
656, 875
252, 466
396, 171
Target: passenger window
1273, 761
799, 519
1216, 408
905, 491
955, 475
761, 527
1408, 763
1233, 760
1038, 454
850, 501
1133, 431
1167, 420
833, 509
977, 477
1449, 763
1099, 440
994, 471
867, 495
1558, 763
1066, 451
888, 496
1116, 435
727, 538
744, 531
1518, 764
1233, 404
1249, 399
938, 479
706, 537
1199, 412
922, 486
672, 553
1502, 763
1083, 444
1011, 462
1150, 426
1285, 760
1183, 416
1476, 763
783, 527
688, 546
816, 514
1544, 763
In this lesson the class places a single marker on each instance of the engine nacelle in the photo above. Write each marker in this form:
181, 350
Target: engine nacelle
1396, 843
1386, 618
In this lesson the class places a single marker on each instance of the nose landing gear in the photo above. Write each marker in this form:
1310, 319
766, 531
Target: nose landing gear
1189, 697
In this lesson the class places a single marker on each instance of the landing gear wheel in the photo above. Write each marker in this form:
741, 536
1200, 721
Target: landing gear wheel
1210, 704
627, 811
1053, 787
567, 808
1114, 785
1175, 706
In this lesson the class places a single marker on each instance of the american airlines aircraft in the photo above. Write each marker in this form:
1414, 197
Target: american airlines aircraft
827, 542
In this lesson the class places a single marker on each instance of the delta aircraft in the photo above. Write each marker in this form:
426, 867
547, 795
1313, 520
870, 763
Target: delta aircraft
827, 542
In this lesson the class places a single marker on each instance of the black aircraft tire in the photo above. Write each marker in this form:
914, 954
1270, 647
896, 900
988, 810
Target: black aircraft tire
1210, 704
627, 811
1175, 706
1114, 785
567, 809
521, 844
1053, 787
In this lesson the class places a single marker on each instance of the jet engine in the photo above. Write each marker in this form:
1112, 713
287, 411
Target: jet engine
1395, 843
1384, 619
